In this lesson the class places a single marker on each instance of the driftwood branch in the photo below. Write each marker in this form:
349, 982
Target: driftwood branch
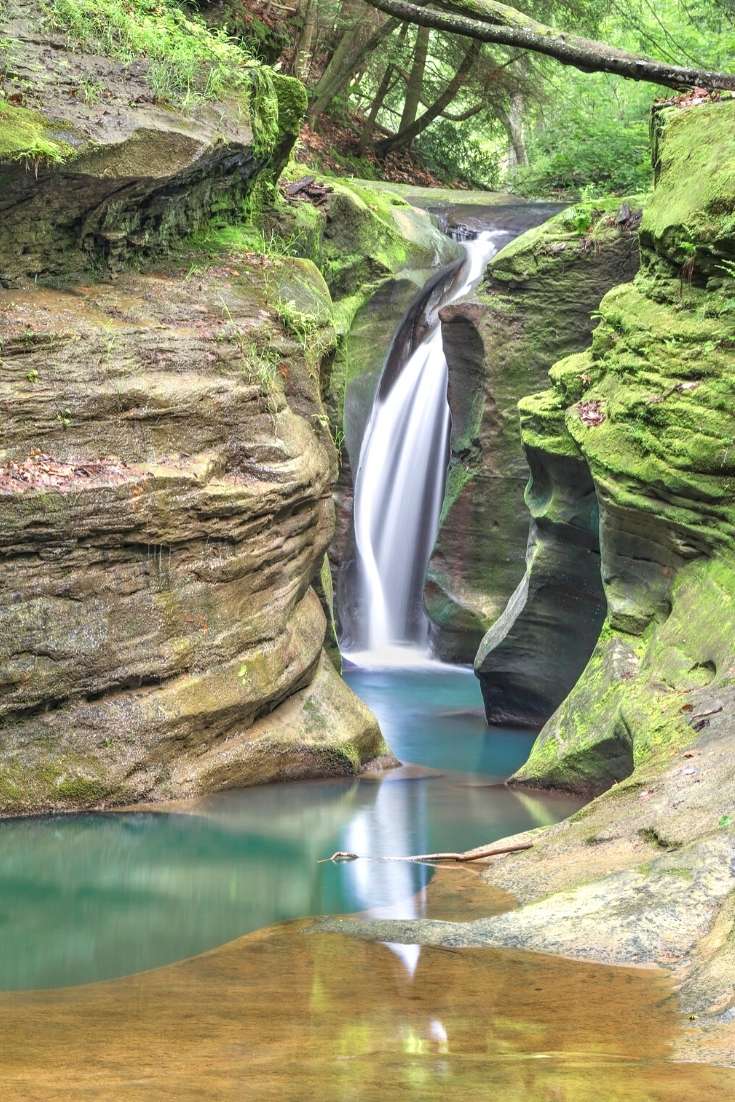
472, 855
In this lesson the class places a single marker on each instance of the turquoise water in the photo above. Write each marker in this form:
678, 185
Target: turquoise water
92, 897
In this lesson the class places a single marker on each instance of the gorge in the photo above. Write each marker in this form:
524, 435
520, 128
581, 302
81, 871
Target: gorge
284, 455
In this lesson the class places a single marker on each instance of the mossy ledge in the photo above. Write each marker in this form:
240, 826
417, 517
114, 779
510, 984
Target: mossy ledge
149, 142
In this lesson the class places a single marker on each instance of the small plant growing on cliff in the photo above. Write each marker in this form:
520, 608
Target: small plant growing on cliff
25, 137
259, 361
91, 91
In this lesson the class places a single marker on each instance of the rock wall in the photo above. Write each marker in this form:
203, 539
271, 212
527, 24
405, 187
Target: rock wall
166, 469
533, 306
649, 408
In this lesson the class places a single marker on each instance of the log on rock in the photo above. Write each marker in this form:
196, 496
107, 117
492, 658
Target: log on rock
307, 188
473, 855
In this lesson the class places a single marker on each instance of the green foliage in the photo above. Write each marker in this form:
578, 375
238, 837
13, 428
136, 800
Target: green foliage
187, 60
590, 131
447, 153
591, 143
25, 137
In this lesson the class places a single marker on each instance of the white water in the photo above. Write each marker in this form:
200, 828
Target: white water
400, 484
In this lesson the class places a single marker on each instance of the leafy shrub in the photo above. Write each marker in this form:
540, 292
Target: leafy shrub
452, 154
576, 152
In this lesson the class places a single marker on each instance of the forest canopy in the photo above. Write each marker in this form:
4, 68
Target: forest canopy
391, 96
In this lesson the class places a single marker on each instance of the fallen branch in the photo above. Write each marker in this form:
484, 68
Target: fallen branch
474, 855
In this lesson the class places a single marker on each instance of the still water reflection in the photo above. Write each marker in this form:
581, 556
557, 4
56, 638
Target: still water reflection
91, 897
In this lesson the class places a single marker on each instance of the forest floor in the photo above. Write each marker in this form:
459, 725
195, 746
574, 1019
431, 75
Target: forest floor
335, 148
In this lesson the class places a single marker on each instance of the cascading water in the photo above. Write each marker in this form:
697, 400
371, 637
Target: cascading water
402, 470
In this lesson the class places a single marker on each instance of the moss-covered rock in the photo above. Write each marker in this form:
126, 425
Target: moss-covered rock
103, 169
650, 409
533, 306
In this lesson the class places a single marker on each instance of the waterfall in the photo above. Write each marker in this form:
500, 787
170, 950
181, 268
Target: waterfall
401, 472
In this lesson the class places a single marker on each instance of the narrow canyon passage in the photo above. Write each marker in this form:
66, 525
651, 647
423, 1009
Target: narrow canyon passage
145, 953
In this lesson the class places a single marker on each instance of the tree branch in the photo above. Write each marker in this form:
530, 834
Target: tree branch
405, 136
505, 26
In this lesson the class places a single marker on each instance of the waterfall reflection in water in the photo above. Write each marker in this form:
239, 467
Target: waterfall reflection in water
92, 897
402, 469
282, 1016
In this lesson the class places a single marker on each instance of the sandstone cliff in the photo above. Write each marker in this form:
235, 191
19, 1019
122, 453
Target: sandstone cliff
165, 462
533, 306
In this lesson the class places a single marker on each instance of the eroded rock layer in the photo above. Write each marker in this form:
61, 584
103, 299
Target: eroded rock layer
533, 306
649, 408
166, 466
157, 603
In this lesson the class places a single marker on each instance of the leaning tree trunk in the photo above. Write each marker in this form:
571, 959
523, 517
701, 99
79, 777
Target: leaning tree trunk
505, 26
383, 89
512, 120
346, 60
404, 137
415, 83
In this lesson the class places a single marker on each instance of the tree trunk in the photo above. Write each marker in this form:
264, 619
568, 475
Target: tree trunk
383, 89
512, 120
305, 45
404, 137
415, 83
345, 60
494, 22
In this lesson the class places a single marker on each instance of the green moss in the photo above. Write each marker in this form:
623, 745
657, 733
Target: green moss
692, 217
186, 58
560, 241
81, 791
652, 836
27, 136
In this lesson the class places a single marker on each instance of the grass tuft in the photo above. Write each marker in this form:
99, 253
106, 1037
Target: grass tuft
187, 60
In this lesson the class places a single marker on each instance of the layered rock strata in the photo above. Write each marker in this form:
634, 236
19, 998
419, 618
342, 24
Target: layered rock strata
166, 465
533, 306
